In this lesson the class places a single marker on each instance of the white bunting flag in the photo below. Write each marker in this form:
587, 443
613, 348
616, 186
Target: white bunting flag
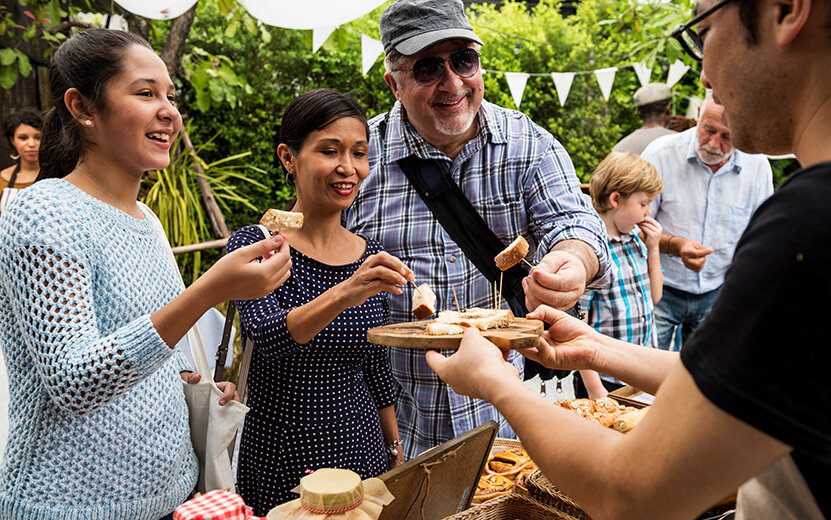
605, 77
643, 72
562, 81
516, 82
320, 35
676, 72
370, 50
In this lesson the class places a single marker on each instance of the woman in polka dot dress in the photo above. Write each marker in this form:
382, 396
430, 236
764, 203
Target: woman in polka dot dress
320, 394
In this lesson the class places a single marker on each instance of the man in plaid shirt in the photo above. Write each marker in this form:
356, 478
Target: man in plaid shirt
516, 175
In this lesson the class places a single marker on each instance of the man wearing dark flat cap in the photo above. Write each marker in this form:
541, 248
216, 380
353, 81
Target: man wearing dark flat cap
514, 173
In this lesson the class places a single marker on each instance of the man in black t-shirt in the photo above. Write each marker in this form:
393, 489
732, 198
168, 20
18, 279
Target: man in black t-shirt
748, 402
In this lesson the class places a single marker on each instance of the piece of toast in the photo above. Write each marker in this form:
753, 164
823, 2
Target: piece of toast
512, 255
443, 329
275, 219
424, 302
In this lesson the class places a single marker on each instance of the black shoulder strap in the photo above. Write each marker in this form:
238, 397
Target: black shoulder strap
465, 225
468, 229
14, 175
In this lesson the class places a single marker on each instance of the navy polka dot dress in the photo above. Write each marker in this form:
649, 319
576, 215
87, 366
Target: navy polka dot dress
314, 405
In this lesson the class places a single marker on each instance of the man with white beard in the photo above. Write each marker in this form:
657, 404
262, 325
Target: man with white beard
513, 173
710, 192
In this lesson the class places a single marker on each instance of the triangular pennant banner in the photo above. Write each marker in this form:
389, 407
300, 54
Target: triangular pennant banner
370, 50
516, 82
605, 77
320, 35
562, 81
676, 72
643, 72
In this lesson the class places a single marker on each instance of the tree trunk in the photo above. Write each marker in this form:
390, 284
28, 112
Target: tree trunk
174, 47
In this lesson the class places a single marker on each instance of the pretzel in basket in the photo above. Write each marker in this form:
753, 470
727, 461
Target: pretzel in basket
492, 486
509, 462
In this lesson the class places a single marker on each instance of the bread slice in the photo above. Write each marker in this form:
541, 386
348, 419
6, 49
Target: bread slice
424, 302
482, 319
274, 220
512, 255
495, 320
443, 329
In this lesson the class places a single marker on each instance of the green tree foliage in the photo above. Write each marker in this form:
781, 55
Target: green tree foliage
603, 33
273, 65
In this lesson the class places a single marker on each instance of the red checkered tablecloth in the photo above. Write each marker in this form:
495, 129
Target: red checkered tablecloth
215, 505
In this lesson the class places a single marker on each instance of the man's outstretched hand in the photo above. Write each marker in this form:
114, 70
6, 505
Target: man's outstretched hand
568, 344
477, 369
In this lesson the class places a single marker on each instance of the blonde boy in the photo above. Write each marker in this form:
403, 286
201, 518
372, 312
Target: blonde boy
622, 188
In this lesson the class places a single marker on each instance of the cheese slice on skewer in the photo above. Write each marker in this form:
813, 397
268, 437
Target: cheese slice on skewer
424, 302
274, 220
513, 254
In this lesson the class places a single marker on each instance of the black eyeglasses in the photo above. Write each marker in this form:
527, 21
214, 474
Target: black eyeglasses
427, 71
689, 39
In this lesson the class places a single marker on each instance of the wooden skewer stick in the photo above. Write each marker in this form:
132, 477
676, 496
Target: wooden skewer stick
501, 274
456, 300
529, 263
416, 288
495, 290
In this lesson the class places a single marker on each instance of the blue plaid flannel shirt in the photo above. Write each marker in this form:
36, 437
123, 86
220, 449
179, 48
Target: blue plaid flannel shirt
522, 182
624, 309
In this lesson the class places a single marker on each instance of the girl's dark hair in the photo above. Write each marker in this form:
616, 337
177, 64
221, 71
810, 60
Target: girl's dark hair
24, 116
87, 61
314, 111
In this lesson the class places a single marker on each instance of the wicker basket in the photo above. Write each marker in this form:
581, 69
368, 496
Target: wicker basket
502, 444
511, 507
541, 489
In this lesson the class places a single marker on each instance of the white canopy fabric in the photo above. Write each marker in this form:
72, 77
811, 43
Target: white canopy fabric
157, 9
307, 14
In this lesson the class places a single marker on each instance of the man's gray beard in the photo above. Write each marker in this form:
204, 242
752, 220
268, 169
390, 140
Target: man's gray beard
454, 129
709, 158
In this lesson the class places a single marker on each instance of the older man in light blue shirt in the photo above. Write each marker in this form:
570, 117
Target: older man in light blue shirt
710, 192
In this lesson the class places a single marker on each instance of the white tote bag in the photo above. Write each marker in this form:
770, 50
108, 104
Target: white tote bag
212, 427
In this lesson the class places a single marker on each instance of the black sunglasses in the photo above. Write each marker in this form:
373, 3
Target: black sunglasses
427, 71
689, 39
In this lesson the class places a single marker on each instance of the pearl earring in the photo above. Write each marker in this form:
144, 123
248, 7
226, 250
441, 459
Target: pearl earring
87, 122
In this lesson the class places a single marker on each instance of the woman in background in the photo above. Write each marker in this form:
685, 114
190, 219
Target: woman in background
321, 396
22, 129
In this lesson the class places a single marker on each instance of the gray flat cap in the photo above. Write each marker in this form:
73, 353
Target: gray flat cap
652, 93
410, 26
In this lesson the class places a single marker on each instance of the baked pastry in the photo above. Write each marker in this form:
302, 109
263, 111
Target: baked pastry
513, 254
274, 220
509, 462
492, 486
424, 302
521, 480
605, 411
626, 421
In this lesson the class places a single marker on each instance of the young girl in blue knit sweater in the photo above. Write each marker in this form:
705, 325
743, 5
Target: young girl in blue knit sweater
93, 307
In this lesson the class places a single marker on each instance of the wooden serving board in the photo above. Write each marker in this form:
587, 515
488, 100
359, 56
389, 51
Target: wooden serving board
523, 333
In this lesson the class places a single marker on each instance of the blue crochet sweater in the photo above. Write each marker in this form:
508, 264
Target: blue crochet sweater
98, 420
